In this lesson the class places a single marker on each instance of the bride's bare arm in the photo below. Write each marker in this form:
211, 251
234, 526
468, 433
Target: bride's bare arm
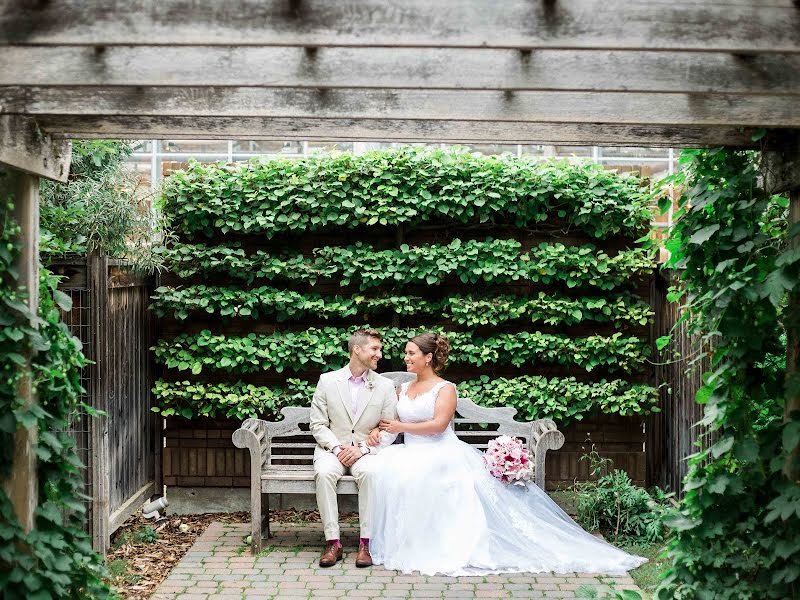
442, 415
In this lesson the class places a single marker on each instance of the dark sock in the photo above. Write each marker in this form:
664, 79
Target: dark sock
364, 541
336, 541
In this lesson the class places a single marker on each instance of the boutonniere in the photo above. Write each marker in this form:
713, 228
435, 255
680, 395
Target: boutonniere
370, 383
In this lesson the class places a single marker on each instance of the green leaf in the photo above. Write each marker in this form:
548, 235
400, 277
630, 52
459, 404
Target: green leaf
776, 285
704, 234
723, 446
787, 258
791, 436
63, 300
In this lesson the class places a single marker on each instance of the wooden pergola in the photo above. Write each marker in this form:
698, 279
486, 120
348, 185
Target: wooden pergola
675, 73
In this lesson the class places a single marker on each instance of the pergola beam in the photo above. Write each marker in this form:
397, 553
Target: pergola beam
402, 68
411, 131
739, 26
26, 147
633, 108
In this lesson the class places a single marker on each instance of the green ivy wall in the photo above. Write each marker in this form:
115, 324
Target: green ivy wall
532, 269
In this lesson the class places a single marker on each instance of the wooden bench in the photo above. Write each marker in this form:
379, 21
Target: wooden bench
281, 452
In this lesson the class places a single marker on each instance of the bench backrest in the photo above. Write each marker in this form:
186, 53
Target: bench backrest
290, 445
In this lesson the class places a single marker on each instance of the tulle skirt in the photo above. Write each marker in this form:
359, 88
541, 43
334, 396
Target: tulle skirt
435, 509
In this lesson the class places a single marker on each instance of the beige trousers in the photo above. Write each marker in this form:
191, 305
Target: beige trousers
327, 472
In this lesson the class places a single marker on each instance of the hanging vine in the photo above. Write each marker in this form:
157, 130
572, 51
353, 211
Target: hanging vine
55, 559
736, 533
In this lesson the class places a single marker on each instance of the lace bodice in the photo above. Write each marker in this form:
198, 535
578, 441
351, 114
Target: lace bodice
421, 408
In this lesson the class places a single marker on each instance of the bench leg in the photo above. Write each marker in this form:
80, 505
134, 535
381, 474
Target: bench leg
265, 531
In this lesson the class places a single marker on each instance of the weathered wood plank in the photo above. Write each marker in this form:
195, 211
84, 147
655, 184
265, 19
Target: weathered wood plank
736, 26
26, 147
395, 130
413, 68
542, 107
130, 506
781, 162
101, 390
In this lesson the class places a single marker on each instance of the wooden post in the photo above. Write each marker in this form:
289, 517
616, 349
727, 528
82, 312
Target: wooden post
22, 485
97, 264
781, 167
154, 334
791, 469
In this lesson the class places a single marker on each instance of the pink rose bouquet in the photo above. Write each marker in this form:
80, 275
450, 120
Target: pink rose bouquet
508, 461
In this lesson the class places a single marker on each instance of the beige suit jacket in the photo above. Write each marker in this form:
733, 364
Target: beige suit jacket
332, 423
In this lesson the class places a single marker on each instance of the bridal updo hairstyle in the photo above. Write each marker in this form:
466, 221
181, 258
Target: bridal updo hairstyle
435, 344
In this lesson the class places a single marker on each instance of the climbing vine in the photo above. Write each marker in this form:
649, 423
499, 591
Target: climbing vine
736, 533
55, 559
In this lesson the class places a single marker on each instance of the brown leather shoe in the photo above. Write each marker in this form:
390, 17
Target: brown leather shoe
363, 558
331, 555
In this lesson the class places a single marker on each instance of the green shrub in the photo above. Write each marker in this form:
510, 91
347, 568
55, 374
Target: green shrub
471, 261
403, 186
322, 348
552, 309
563, 399
144, 534
103, 206
612, 504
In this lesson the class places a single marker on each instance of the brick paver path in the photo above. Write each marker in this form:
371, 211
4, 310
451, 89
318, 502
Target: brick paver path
220, 565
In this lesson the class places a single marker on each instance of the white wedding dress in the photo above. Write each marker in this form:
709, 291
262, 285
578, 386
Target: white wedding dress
436, 509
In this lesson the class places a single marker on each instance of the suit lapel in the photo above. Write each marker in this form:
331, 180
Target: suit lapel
344, 391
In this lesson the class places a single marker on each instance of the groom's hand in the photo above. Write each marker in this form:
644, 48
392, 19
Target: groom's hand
374, 437
349, 455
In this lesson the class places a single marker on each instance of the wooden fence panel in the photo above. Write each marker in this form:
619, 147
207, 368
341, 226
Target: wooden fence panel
132, 427
672, 434
122, 450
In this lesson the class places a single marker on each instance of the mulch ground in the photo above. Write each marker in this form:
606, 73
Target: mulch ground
139, 563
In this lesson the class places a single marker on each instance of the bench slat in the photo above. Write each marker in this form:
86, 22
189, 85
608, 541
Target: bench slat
289, 468
297, 475
303, 456
484, 434
284, 485
294, 444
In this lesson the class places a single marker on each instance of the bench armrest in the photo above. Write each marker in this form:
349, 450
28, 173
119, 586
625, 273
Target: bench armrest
544, 436
253, 436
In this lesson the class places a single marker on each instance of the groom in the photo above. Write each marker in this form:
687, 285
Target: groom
347, 404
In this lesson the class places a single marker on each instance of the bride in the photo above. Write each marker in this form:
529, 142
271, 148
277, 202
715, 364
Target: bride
436, 509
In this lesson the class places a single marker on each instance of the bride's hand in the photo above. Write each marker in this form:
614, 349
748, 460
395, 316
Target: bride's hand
374, 437
391, 426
